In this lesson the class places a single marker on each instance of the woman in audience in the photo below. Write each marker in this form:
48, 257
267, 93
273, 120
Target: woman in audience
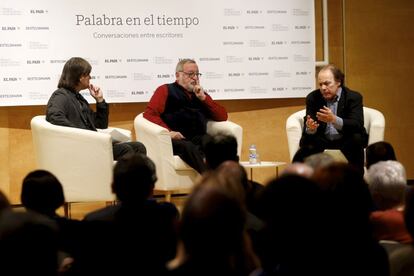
402, 256
387, 182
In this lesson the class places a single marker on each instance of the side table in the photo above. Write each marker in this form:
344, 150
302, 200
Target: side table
262, 164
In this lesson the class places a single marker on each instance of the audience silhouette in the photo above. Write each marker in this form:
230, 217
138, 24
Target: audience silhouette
135, 236
379, 151
212, 232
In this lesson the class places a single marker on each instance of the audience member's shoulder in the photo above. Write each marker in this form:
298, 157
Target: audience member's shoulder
66, 222
11, 221
166, 209
256, 186
104, 214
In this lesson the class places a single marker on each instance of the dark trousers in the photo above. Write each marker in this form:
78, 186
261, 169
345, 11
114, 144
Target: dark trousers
191, 152
352, 146
121, 149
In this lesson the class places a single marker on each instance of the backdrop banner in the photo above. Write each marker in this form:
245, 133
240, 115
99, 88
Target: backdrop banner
245, 49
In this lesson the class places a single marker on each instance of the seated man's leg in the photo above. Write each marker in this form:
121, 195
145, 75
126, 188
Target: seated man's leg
353, 149
121, 149
315, 141
190, 153
137, 147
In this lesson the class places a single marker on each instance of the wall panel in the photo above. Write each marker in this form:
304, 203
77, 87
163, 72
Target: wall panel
379, 61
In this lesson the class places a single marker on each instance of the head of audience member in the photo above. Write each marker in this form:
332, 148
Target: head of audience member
349, 198
294, 213
42, 192
319, 160
4, 202
330, 79
28, 244
289, 198
298, 168
220, 148
387, 182
304, 152
379, 151
187, 74
76, 71
234, 179
349, 206
134, 179
212, 227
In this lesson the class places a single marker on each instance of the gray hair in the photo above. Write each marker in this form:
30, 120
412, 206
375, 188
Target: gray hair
387, 182
298, 168
180, 64
319, 160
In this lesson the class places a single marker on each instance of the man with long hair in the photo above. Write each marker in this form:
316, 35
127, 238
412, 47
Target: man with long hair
67, 106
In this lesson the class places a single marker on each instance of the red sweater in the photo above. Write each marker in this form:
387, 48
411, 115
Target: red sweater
156, 106
389, 225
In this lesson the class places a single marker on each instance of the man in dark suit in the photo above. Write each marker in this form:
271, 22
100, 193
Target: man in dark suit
334, 118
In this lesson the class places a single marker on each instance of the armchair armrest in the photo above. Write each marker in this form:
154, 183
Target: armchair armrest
294, 128
117, 134
374, 123
157, 140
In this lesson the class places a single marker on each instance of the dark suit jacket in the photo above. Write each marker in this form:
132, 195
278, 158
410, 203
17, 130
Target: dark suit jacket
349, 109
64, 109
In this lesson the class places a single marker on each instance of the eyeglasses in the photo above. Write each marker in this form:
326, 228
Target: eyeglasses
192, 74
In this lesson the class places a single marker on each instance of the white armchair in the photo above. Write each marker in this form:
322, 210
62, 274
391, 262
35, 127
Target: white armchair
81, 159
374, 123
174, 175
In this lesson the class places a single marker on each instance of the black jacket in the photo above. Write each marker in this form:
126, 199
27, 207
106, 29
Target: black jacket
68, 108
349, 109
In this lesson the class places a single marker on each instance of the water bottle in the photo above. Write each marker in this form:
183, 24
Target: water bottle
252, 154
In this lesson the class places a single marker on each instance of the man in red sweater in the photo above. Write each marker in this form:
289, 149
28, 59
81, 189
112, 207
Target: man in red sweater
183, 107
